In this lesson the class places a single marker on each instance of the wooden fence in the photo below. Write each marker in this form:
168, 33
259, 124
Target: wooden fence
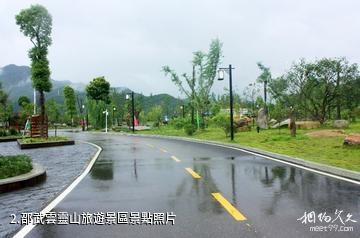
35, 123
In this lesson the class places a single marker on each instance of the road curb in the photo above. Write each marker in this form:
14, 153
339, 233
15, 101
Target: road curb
36, 175
27, 228
36, 145
343, 173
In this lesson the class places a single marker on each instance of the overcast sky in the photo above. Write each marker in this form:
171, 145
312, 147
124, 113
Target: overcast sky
129, 41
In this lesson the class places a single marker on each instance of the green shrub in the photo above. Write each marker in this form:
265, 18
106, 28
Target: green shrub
189, 129
221, 120
3, 133
13, 131
48, 139
178, 123
14, 165
356, 112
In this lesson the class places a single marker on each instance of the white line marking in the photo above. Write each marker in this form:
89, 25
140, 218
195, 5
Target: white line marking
253, 153
27, 228
284, 162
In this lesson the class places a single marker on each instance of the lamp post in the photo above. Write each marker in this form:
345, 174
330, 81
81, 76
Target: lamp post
106, 120
221, 72
83, 114
183, 110
113, 115
87, 120
132, 109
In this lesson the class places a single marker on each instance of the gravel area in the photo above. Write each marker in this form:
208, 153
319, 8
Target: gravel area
63, 164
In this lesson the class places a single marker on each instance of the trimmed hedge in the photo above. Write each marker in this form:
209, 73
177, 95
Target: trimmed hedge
11, 166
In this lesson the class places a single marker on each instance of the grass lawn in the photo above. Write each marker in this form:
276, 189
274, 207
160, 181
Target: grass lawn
49, 139
325, 150
10, 136
14, 165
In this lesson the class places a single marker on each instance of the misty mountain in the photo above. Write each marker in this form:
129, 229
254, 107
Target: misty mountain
16, 81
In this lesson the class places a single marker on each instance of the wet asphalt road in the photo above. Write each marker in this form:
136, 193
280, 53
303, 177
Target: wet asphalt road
135, 174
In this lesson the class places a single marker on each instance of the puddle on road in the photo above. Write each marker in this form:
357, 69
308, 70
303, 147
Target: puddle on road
267, 186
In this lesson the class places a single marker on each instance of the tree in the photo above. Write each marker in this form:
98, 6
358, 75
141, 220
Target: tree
36, 23
155, 115
347, 90
265, 78
118, 100
53, 109
98, 90
198, 87
23, 100
166, 105
279, 112
315, 89
26, 108
3, 96
215, 108
221, 120
70, 102
325, 90
5, 110
251, 92
351, 97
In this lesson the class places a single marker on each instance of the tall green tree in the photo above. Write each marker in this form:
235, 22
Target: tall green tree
347, 92
54, 111
5, 110
155, 115
23, 100
315, 89
118, 100
198, 86
26, 108
70, 103
98, 90
265, 78
36, 23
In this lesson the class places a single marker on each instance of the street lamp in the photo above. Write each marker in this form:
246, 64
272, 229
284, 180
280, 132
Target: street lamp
132, 109
183, 110
83, 120
221, 74
106, 119
87, 117
113, 115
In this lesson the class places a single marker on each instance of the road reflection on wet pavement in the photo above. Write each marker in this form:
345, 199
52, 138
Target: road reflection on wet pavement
136, 174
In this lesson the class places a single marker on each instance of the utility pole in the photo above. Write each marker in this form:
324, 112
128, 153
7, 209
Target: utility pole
133, 111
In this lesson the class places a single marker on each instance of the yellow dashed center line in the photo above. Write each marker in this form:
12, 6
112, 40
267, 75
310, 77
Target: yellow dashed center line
150, 145
176, 159
193, 173
230, 208
163, 150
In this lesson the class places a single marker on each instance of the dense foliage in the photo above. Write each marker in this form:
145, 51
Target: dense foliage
36, 23
197, 87
70, 103
325, 89
14, 165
